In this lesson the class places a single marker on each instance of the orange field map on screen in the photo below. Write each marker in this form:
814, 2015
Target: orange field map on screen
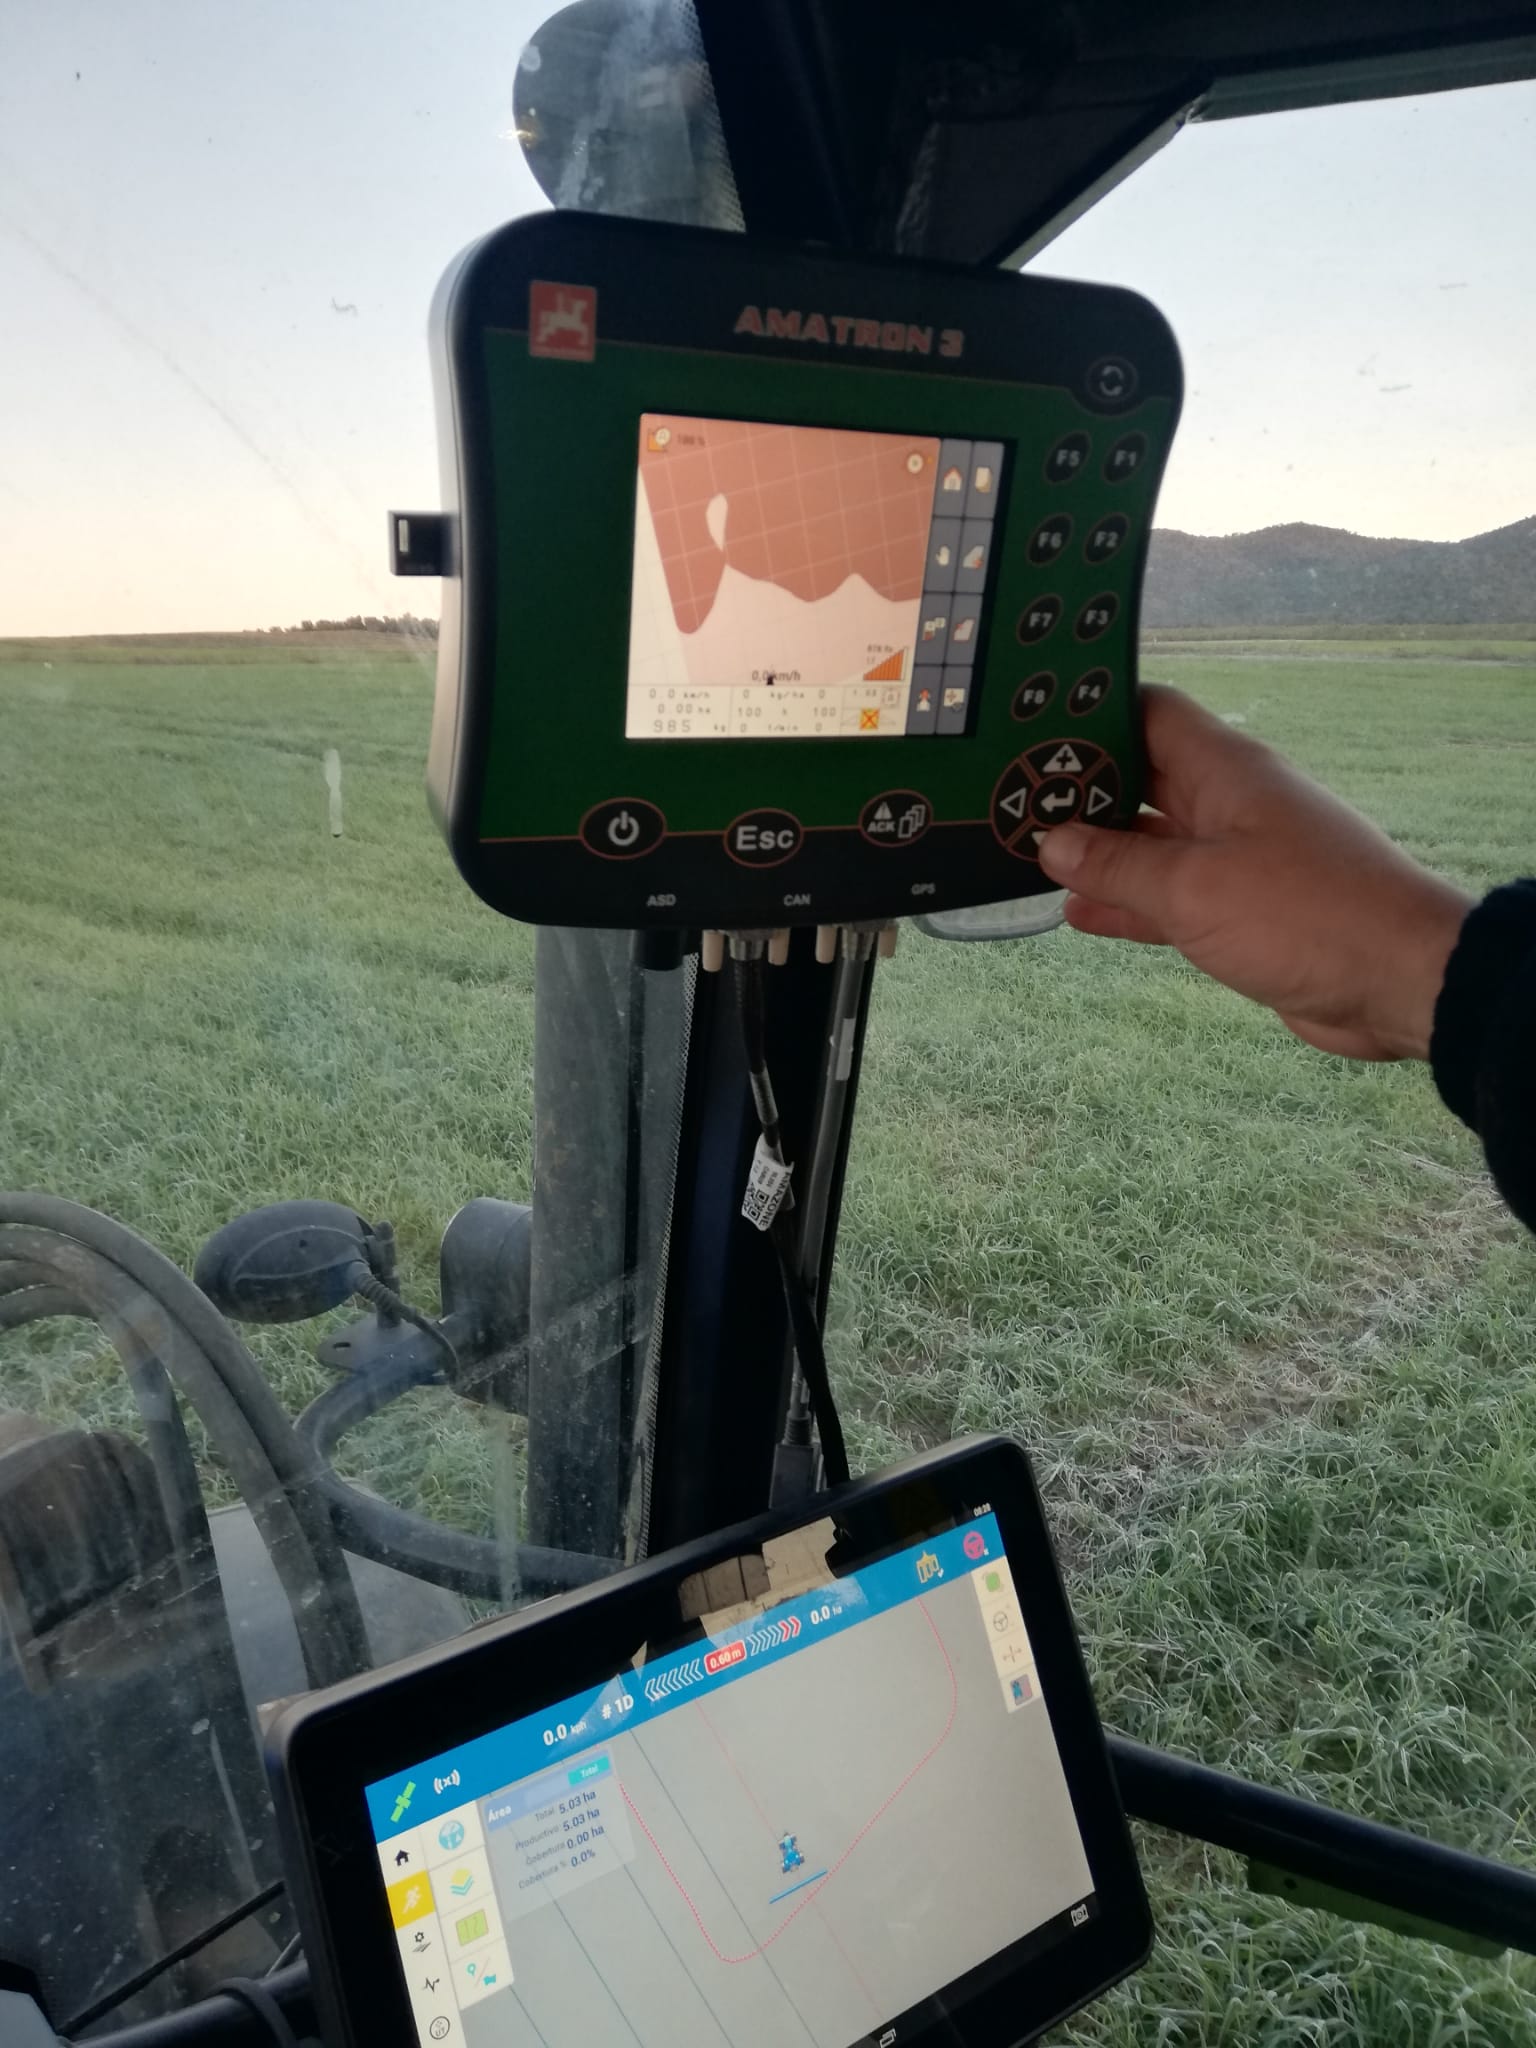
773, 558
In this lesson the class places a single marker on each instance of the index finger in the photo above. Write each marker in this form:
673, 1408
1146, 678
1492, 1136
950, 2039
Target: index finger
1191, 752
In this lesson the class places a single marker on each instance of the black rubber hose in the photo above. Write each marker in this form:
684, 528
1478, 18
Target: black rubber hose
373, 1528
220, 2021
278, 1476
28, 1294
31, 1301
117, 1310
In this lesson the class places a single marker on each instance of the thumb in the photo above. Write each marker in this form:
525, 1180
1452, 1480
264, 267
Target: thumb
1130, 870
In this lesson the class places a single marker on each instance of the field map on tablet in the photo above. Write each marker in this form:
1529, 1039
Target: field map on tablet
793, 1830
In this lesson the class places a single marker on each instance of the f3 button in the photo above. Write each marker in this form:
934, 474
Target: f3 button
623, 828
761, 839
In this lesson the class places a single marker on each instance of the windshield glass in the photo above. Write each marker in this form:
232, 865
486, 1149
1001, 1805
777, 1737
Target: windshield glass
1259, 1313
253, 1028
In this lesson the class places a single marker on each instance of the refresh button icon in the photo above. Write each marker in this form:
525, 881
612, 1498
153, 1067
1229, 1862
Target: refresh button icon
623, 828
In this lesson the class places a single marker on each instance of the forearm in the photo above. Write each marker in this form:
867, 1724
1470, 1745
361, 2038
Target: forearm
1483, 1050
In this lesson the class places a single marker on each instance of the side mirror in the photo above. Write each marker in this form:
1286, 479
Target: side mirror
284, 1263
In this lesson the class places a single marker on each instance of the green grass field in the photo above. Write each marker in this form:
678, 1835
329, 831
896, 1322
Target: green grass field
1256, 1312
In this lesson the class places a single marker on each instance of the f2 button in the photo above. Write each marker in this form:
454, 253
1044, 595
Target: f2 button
761, 839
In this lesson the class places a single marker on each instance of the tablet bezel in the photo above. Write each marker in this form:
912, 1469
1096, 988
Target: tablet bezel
323, 1750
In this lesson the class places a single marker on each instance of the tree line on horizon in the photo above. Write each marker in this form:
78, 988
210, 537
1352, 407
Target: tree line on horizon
405, 623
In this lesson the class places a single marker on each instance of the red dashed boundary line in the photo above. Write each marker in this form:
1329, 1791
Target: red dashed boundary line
815, 1891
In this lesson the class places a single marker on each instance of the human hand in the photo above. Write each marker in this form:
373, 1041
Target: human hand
1269, 884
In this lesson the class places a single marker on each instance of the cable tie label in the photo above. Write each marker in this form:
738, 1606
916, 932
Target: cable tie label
767, 1185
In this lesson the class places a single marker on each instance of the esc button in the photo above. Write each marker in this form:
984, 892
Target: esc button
623, 828
761, 839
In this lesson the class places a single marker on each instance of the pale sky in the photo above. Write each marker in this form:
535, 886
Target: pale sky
192, 437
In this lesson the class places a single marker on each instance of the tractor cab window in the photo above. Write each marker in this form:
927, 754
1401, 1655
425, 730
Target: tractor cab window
254, 1033
1258, 1312
333, 1275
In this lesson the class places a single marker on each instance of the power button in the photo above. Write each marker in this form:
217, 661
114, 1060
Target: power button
623, 828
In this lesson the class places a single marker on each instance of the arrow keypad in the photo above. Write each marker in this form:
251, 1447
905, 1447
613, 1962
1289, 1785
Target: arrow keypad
1051, 784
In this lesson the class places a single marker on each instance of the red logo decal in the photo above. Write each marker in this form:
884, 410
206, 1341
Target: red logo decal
562, 321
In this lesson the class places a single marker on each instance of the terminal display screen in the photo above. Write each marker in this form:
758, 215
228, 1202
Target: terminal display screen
800, 1825
795, 582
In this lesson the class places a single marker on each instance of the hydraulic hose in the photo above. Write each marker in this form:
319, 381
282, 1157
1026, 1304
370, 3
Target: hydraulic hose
373, 1528
55, 1251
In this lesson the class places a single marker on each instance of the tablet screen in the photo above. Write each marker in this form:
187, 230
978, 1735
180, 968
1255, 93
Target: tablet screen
841, 1799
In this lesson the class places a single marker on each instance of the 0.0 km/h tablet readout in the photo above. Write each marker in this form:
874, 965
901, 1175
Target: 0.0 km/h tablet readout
806, 582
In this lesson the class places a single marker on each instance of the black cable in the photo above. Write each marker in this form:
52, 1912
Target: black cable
132, 1986
805, 1329
752, 1007
370, 1288
289, 1954
810, 1352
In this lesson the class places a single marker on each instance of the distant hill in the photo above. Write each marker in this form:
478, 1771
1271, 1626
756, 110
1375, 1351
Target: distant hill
1320, 575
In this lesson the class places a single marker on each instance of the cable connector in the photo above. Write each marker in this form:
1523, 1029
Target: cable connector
857, 941
743, 945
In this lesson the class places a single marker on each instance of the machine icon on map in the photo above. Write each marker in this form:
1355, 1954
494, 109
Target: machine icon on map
792, 1854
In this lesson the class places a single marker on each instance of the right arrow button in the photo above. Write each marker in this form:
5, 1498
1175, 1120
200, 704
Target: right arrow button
1102, 792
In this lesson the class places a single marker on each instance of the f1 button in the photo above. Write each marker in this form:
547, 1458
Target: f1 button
623, 828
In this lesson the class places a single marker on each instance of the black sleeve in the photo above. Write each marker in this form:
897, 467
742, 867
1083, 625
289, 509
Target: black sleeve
1483, 1050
